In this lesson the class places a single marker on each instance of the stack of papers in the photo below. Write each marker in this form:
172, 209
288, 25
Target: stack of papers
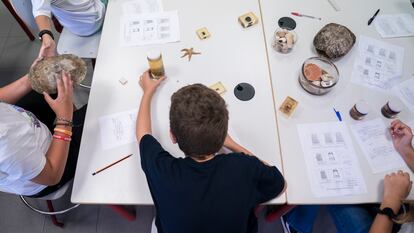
399, 25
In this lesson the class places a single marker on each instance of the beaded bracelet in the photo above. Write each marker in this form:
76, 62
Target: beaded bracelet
65, 121
64, 131
67, 139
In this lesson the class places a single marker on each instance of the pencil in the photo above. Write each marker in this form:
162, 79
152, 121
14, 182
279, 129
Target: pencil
112, 164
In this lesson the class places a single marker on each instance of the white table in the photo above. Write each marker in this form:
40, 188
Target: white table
285, 70
232, 55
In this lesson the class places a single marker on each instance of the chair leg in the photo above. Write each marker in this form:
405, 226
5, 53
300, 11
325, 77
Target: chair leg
54, 219
18, 19
277, 212
129, 215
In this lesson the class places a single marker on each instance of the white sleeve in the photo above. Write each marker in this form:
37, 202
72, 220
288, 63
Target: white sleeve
41, 7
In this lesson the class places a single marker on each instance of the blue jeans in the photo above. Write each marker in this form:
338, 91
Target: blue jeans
347, 218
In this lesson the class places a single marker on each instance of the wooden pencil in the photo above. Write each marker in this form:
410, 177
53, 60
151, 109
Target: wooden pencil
112, 164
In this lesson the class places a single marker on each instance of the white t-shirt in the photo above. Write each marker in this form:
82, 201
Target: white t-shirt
81, 17
24, 141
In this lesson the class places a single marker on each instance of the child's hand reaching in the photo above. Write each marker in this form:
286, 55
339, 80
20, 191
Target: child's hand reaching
402, 136
397, 186
149, 85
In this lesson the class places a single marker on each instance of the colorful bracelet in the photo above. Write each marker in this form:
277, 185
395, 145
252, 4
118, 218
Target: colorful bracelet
67, 139
64, 131
65, 121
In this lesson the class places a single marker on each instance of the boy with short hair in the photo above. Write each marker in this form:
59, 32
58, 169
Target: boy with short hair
204, 192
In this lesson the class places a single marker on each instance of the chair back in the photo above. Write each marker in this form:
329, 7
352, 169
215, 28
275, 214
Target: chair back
24, 9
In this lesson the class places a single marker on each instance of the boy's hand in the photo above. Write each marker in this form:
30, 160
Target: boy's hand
402, 136
149, 85
397, 186
62, 105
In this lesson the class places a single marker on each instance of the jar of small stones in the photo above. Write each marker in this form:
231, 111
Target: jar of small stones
284, 40
318, 75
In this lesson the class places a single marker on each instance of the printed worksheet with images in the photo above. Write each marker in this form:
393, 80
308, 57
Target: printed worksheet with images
379, 65
405, 91
142, 6
398, 25
331, 160
118, 129
375, 141
150, 28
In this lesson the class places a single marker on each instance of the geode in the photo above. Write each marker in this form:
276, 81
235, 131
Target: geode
334, 41
43, 75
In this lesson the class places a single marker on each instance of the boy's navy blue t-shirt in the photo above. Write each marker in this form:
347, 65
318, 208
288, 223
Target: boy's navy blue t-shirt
216, 196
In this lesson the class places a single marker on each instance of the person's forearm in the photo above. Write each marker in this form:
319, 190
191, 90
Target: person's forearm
15, 90
382, 224
408, 156
238, 148
144, 117
56, 158
43, 23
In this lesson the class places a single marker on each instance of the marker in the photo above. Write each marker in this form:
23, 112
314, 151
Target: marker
307, 16
338, 114
373, 17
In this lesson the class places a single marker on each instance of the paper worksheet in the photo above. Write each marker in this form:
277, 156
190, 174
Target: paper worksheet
379, 65
398, 25
142, 6
375, 141
332, 164
405, 91
150, 28
118, 129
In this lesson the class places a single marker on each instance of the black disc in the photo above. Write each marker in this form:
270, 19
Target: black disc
287, 23
244, 91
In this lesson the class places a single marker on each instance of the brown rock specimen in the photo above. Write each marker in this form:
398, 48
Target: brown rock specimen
44, 74
334, 41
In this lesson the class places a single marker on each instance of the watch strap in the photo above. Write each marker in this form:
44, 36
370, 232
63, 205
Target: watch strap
41, 33
387, 211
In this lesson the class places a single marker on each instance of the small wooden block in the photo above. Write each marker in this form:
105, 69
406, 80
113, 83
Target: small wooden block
248, 20
219, 88
288, 106
203, 33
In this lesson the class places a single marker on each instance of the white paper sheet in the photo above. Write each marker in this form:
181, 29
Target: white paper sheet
142, 6
118, 129
379, 65
331, 160
375, 141
151, 28
405, 91
399, 25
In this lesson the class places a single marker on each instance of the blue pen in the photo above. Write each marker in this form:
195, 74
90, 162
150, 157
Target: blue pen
338, 114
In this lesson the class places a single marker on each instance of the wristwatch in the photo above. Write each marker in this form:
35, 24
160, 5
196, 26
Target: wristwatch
41, 33
387, 212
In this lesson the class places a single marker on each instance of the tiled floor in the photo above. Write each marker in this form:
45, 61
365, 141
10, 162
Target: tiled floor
16, 55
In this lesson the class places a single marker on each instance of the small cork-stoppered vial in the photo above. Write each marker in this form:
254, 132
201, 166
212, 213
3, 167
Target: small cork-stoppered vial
156, 64
359, 110
391, 109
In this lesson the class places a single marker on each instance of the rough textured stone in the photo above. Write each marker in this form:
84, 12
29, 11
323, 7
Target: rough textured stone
334, 41
44, 74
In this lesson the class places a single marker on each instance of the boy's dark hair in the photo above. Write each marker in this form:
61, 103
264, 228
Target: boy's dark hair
199, 120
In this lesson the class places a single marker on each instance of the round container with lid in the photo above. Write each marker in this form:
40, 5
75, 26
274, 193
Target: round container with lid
391, 109
359, 110
318, 75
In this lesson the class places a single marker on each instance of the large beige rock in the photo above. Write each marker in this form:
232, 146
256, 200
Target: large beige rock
334, 41
44, 74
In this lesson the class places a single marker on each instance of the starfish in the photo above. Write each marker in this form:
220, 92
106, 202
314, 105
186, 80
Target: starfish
189, 52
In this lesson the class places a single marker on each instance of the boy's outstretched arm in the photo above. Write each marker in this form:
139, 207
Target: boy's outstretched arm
149, 86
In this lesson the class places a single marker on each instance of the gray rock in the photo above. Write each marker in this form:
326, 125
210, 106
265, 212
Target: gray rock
334, 41
44, 74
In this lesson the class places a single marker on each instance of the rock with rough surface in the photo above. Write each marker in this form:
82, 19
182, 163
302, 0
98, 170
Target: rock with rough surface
43, 75
334, 41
